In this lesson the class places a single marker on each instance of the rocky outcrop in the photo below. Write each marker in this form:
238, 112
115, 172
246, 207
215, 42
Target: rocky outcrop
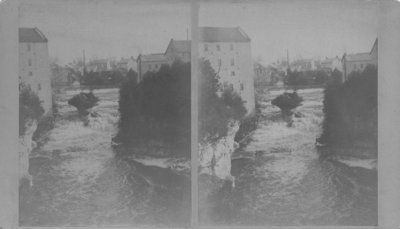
26, 145
215, 156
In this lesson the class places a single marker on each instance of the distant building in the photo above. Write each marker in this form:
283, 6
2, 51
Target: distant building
357, 62
303, 65
263, 75
177, 49
150, 63
98, 65
229, 52
34, 66
330, 64
126, 64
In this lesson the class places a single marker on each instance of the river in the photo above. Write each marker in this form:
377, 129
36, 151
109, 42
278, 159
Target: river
283, 179
79, 181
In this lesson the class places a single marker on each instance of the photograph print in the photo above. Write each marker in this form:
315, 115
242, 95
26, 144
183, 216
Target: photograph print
104, 113
288, 113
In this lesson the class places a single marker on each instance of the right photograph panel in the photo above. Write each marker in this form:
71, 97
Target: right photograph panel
288, 113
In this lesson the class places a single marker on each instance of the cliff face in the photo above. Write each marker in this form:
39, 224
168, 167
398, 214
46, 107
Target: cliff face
26, 145
215, 157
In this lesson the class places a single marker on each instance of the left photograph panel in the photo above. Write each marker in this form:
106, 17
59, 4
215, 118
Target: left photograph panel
104, 113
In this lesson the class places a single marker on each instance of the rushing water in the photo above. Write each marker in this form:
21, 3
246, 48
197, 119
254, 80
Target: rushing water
78, 180
283, 179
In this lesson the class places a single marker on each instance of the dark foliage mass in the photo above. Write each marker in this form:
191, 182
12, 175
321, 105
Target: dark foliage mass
247, 126
29, 107
215, 111
287, 101
157, 109
350, 109
83, 101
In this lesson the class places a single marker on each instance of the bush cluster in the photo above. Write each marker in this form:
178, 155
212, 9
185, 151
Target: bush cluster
350, 109
83, 101
29, 107
287, 101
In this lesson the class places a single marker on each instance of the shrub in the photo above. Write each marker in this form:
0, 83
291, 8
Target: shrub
83, 101
215, 111
350, 109
247, 126
29, 107
287, 101
45, 124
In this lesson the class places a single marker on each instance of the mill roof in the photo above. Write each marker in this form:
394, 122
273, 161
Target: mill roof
179, 45
222, 34
153, 57
31, 35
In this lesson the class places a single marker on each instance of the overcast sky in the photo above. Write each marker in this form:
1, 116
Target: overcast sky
124, 28
308, 28
106, 28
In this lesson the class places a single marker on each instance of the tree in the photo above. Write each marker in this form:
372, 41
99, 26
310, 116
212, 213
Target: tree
30, 107
336, 76
215, 112
157, 108
132, 75
350, 109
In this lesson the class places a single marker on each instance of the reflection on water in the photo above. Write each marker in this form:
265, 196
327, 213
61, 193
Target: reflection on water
79, 181
282, 178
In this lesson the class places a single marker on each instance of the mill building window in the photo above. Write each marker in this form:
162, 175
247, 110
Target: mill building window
218, 47
205, 47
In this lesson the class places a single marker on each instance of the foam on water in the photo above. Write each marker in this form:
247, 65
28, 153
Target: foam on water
361, 163
103, 90
300, 91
